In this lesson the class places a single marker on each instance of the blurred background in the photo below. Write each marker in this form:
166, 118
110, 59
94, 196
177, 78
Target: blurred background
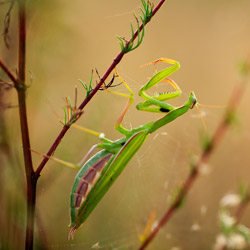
65, 41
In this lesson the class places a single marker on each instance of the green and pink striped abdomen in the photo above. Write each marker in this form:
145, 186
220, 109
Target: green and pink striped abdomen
85, 180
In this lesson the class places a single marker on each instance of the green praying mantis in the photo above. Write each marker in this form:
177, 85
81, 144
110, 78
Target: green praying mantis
97, 174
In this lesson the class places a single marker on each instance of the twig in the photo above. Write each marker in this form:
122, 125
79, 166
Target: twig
21, 90
8, 72
92, 93
210, 147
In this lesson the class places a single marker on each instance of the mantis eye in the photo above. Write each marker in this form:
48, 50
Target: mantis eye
193, 100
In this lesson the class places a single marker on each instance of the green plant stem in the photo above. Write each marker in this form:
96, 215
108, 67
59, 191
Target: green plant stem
194, 173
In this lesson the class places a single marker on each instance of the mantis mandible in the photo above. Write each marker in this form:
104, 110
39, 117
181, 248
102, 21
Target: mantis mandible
97, 175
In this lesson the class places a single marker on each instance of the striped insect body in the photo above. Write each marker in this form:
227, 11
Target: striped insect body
88, 180
84, 182
99, 173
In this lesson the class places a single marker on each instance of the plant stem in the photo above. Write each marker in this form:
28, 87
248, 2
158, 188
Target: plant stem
21, 89
91, 94
8, 72
215, 140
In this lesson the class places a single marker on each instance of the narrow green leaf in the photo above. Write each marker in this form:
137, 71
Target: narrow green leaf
144, 4
120, 42
65, 116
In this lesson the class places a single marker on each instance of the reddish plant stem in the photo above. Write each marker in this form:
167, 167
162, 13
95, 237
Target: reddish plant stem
21, 90
8, 72
52, 149
238, 214
220, 131
92, 93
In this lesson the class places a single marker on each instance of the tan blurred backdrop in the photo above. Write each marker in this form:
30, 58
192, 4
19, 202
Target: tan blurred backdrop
65, 41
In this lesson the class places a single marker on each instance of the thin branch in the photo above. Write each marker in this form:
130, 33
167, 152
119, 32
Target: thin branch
21, 90
8, 72
208, 150
93, 92
22, 41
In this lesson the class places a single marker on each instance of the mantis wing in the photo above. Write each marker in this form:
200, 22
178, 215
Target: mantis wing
112, 169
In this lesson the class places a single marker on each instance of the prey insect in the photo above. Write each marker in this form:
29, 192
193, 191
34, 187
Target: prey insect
97, 175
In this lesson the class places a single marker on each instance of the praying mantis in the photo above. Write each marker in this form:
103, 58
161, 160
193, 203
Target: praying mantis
97, 174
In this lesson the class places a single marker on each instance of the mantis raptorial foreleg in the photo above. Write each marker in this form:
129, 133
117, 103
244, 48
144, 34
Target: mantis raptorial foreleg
157, 99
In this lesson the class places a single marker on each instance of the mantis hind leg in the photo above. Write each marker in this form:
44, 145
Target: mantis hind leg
71, 112
92, 132
157, 100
